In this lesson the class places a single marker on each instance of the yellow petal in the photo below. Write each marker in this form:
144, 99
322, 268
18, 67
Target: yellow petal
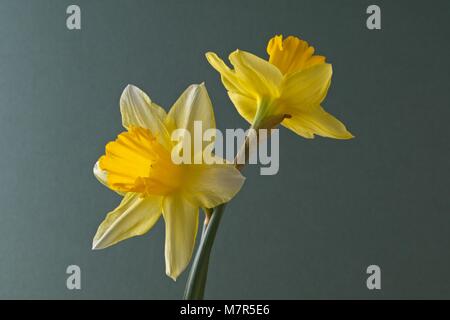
306, 88
194, 104
262, 77
252, 76
292, 54
139, 111
102, 176
317, 121
194, 113
133, 217
252, 81
229, 79
246, 106
181, 219
211, 185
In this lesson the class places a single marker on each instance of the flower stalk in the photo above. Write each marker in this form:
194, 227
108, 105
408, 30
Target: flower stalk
196, 283
195, 286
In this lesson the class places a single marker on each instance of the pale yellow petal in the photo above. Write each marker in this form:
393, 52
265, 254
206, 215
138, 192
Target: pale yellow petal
102, 177
138, 110
246, 106
208, 186
252, 76
181, 219
229, 79
306, 88
100, 174
193, 113
259, 76
193, 105
133, 217
298, 127
317, 121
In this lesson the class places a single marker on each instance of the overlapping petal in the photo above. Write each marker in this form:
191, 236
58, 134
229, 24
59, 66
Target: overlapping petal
229, 78
193, 105
251, 76
213, 184
260, 77
246, 106
306, 88
138, 110
317, 121
181, 219
192, 114
133, 217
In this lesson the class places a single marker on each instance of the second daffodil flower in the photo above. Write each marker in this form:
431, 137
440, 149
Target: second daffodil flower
288, 88
138, 165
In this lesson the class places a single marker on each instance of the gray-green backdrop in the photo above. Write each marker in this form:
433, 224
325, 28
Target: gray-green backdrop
334, 208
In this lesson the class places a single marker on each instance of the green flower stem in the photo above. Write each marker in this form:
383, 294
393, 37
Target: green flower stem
195, 286
196, 282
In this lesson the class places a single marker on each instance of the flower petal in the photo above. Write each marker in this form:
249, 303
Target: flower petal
193, 105
252, 76
317, 121
229, 79
258, 73
133, 217
211, 185
306, 88
246, 106
194, 113
181, 219
138, 110
102, 176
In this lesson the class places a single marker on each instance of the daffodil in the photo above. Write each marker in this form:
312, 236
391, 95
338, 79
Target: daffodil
288, 88
138, 165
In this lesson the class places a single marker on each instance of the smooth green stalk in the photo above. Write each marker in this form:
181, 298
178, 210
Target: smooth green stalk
196, 282
195, 286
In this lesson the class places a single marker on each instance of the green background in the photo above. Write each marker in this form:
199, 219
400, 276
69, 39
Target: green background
334, 208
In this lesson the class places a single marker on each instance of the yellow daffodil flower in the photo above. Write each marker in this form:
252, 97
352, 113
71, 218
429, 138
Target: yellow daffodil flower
138, 165
288, 88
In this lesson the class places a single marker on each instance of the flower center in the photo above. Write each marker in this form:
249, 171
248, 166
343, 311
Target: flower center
137, 162
291, 54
